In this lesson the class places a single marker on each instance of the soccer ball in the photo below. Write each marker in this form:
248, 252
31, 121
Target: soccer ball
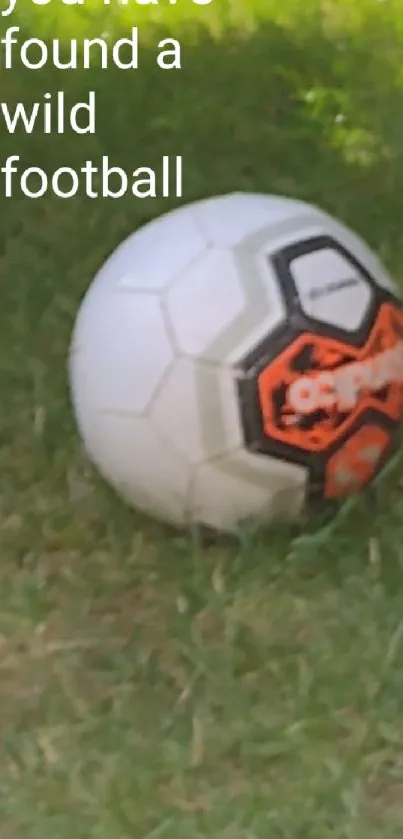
236, 359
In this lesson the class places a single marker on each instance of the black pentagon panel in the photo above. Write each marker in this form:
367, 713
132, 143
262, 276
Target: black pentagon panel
318, 393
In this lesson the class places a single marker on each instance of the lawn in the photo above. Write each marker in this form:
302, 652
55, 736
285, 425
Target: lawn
151, 688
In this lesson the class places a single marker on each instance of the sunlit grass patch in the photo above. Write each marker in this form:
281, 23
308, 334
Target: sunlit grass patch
92, 17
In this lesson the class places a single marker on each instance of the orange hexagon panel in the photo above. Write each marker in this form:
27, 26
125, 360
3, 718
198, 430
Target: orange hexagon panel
316, 389
356, 461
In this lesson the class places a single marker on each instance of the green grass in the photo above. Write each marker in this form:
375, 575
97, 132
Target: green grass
150, 689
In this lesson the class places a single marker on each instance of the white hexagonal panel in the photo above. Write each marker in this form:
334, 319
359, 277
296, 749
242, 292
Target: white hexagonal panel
226, 220
123, 350
145, 469
361, 251
152, 257
204, 303
196, 409
330, 288
240, 486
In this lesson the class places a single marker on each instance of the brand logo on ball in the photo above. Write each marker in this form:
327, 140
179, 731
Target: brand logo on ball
317, 388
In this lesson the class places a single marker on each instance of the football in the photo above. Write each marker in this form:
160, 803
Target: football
239, 359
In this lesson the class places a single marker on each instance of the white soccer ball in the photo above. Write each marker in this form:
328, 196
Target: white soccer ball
236, 358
